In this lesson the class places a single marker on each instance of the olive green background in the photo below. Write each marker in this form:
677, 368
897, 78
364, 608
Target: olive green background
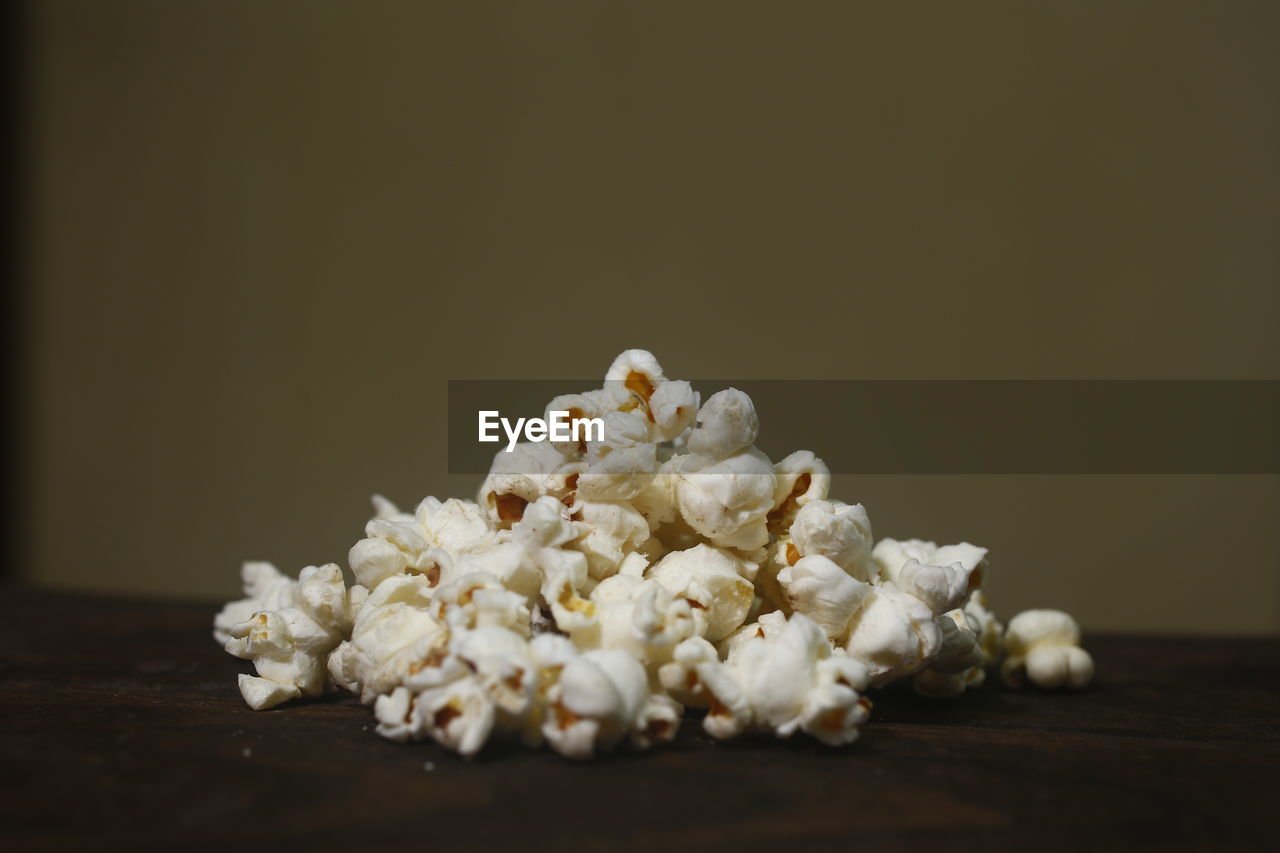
260, 237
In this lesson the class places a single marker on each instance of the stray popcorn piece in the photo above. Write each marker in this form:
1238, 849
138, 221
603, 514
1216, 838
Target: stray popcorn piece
261, 693
289, 645
265, 588
599, 584
1043, 647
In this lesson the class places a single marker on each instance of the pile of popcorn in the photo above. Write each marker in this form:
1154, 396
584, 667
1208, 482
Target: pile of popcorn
594, 590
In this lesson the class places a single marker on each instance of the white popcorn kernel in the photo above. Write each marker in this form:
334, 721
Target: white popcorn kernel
456, 525
595, 703
545, 532
891, 555
479, 600
986, 627
519, 477
342, 667
458, 715
726, 500
791, 688
894, 634
697, 677
499, 661
726, 423
674, 407
800, 478
631, 380
588, 405
837, 531
393, 634
657, 500
619, 466
616, 589
709, 579
551, 651
572, 613
634, 564
647, 622
373, 560
1043, 646
823, 591
322, 597
657, 722
548, 655
289, 646
766, 626
780, 554
509, 562
610, 531
971, 558
265, 588
545, 524
489, 680
385, 510
261, 694
943, 588
833, 709
396, 720
959, 649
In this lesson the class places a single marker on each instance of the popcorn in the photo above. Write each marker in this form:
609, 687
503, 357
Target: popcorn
821, 590
726, 500
640, 617
265, 588
599, 585
610, 531
710, 581
837, 531
674, 406
1043, 646
479, 600
456, 526
958, 664
597, 701
631, 380
393, 633
893, 633
800, 478
891, 556
518, 478
698, 678
619, 466
727, 423
288, 645
794, 682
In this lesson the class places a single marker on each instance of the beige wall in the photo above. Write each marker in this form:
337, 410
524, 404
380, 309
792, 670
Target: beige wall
263, 236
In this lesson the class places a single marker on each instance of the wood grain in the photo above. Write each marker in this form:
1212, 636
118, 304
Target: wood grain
123, 728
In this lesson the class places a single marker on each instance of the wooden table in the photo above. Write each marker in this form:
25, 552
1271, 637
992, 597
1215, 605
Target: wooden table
123, 728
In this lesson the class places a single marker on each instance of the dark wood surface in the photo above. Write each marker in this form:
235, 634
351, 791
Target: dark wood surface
123, 728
